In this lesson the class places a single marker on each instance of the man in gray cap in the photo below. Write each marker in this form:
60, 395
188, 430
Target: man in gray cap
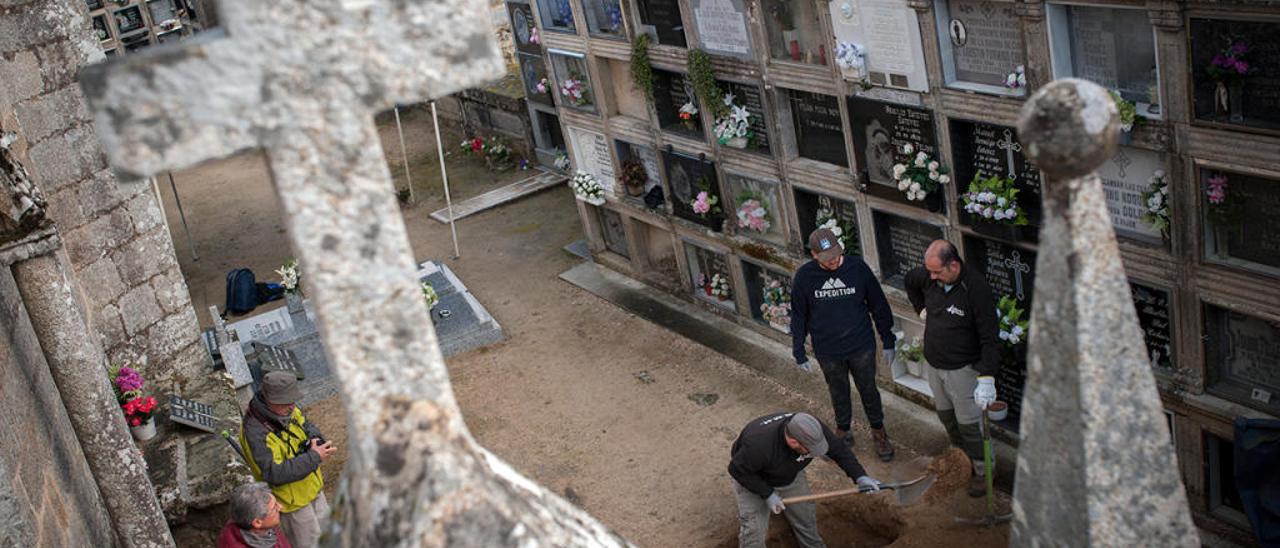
285, 451
768, 462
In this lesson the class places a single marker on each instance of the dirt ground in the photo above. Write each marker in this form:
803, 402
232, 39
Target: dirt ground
562, 398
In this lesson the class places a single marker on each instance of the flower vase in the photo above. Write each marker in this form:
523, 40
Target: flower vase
295, 302
598, 201
780, 326
1126, 137
1235, 93
736, 142
144, 431
914, 368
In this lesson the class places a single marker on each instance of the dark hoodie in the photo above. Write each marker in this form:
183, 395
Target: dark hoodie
761, 459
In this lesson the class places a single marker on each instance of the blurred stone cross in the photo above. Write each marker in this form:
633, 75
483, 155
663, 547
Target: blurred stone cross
302, 80
1095, 464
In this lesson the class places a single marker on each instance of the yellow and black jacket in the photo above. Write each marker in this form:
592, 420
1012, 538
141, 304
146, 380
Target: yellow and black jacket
278, 454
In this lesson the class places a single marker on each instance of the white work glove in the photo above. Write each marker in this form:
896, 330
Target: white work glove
868, 484
805, 366
888, 356
985, 393
775, 504
924, 314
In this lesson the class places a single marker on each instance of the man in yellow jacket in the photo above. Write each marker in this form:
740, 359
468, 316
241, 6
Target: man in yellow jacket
285, 450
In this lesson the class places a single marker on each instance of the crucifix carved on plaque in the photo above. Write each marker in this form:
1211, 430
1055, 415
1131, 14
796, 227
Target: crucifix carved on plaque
275, 81
1010, 146
1015, 263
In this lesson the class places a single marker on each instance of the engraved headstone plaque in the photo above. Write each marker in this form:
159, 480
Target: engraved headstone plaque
818, 127
687, 176
901, 243
273, 358
1124, 178
985, 40
591, 154
522, 28
992, 149
533, 71
1155, 318
192, 413
748, 96
889, 32
880, 131
722, 27
1243, 358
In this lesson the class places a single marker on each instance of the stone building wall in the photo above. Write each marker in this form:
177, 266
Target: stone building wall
47, 494
131, 286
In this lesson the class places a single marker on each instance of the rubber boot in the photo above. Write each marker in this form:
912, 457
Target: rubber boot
978, 481
971, 442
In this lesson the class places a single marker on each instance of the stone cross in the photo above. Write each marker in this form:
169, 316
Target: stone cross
1095, 466
302, 79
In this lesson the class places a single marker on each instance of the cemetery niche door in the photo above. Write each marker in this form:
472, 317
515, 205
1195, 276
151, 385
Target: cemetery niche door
573, 80
1010, 271
1109, 46
557, 16
880, 130
537, 86
1242, 358
604, 19
676, 104
980, 42
818, 127
523, 29
722, 27
1234, 69
661, 19
815, 210
695, 190
1241, 224
987, 150
756, 209
794, 31
641, 175
710, 276
768, 295
746, 97
613, 228
900, 244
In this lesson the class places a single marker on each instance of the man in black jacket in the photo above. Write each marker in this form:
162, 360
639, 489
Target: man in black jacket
961, 344
767, 464
834, 299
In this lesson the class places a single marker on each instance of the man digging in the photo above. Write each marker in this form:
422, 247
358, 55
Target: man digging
768, 462
834, 299
961, 345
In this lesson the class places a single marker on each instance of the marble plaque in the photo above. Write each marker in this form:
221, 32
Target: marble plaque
1010, 270
1155, 316
990, 149
889, 31
985, 40
591, 154
880, 131
819, 134
1124, 179
722, 26
901, 243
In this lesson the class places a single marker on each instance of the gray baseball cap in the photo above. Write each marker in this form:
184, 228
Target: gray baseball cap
281, 388
825, 244
808, 431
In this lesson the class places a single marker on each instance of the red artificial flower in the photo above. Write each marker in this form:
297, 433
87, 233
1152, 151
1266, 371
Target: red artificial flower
135, 421
131, 406
147, 405
477, 144
686, 116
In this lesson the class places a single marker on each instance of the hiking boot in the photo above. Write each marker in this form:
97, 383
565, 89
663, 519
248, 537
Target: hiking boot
845, 435
884, 449
977, 486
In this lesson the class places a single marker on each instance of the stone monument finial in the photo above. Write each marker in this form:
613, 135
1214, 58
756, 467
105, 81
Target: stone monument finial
1069, 128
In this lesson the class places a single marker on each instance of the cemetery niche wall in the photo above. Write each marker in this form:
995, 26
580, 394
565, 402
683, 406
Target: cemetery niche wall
833, 91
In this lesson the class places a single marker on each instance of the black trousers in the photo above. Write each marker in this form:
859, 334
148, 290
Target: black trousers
863, 369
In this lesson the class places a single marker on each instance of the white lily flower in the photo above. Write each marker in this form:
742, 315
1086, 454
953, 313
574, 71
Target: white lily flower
944, 179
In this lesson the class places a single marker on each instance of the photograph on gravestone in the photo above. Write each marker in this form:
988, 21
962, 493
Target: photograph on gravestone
676, 104
1241, 227
709, 275
818, 127
757, 209
661, 19
695, 190
1235, 67
640, 170
879, 132
591, 154
794, 31
573, 81
888, 33
1155, 316
992, 150
815, 210
615, 234
1112, 47
981, 43
901, 243
604, 18
537, 86
722, 27
1010, 271
1242, 356
750, 97
557, 15
1124, 180
523, 28
769, 295
129, 19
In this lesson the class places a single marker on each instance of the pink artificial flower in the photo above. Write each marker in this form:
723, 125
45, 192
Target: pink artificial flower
1217, 191
700, 205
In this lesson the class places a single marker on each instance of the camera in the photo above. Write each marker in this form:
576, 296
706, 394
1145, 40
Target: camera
312, 443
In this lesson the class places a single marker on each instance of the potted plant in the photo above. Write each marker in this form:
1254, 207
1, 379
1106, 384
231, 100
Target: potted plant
138, 409
430, 298
634, 177
920, 177
775, 306
587, 188
1155, 202
291, 279
911, 353
1128, 116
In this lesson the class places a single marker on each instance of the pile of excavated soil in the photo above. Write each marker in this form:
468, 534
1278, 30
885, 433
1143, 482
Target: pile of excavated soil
952, 469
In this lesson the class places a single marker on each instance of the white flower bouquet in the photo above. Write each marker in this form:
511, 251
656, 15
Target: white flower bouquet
918, 174
587, 188
843, 231
429, 295
1155, 201
291, 277
994, 199
1017, 79
852, 57
1013, 329
734, 129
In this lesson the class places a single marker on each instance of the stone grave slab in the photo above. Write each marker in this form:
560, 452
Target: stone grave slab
461, 322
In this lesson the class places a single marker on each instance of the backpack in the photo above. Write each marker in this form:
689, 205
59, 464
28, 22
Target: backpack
242, 292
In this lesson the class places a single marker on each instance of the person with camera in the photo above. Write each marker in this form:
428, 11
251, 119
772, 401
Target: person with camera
285, 451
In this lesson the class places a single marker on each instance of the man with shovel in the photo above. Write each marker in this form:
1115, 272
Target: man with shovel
961, 344
768, 462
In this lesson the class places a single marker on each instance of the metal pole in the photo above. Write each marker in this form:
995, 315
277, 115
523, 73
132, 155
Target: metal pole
444, 176
190, 243
404, 154
164, 216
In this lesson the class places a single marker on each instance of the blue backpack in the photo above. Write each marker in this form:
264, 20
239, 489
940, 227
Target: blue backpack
242, 291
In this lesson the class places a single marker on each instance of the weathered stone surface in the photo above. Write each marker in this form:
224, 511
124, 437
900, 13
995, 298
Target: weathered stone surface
146, 215
66, 159
76, 362
148, 255
1095, 465
43, 116
415, 475
22, 77
139, 309
109, 324
171, 334
94, 240
171, 291
105, 280
98, 194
